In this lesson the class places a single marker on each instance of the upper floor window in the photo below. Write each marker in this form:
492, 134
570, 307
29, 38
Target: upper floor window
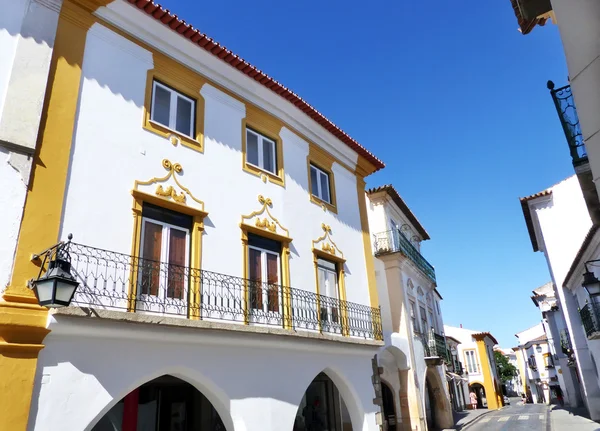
164, 252
319, 183
471, 361
437, 306
264, 272
413, 316
172, 109
532, 362
424, 325
261, 151
328, 276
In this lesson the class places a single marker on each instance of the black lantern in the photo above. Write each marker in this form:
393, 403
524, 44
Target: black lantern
56, 288
591, 283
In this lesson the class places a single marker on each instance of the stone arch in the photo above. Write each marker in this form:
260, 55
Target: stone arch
202, 384
347, 394
479, 389
399, 357
439, 403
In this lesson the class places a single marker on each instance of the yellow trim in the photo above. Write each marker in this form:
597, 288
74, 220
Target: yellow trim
324, 161
329, 249
489, 384
270, 127
179, 205
368, 252
467, 363
267, 226
184, 81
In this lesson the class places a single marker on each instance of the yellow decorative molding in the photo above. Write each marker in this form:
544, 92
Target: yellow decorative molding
267, 222
166, 191
326, 244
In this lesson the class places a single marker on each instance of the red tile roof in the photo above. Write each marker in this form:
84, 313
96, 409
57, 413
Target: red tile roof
482, 335
393, 193
526, 25
527, 215
178, 25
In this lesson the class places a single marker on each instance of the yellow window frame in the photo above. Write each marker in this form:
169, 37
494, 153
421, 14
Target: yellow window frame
324, 161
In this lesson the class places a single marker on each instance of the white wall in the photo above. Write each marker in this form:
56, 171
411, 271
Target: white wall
112, 158
88, 365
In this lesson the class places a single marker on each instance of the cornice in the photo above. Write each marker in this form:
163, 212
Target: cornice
126, 46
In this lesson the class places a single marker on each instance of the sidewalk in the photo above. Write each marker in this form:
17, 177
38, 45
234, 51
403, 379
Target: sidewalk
464, 418
563, 418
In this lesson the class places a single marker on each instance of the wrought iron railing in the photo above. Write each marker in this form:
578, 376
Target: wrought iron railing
590, 317
393, 241
435, 345
567, 113
112, 280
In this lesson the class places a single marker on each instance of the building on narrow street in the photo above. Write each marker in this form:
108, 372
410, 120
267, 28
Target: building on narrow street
458, 383
539, 367
578, 107
477, 351
221, 256
415, 361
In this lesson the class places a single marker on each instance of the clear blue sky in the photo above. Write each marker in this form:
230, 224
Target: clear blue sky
453, 99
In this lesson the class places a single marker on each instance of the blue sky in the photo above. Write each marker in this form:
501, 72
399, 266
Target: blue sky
453, 99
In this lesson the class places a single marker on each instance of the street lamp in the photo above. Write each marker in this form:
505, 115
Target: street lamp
57, 286
590, 282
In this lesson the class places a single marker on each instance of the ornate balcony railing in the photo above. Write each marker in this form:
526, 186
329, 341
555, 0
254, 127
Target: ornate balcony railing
435, 345
111, 280
394, 241
590, 317
567, 113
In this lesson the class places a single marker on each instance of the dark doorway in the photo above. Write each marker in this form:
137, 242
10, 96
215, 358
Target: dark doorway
163, 404
389, 406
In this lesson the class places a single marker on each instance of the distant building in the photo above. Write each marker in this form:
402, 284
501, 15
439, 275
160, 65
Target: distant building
514, 387
477, 350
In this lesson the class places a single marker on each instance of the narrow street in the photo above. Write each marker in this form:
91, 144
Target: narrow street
532, 417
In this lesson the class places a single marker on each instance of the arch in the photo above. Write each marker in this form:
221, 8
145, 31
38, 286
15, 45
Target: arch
439, 413
350, 410
389, 406
399, 357
479, 390
215, 396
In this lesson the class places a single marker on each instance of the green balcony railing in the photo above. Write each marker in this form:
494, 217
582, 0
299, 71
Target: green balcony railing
567, 113
393, 241
590, 318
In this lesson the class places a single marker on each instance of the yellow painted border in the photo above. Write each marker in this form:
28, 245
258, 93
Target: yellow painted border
270, 127
185, 82
491, 394
324, 161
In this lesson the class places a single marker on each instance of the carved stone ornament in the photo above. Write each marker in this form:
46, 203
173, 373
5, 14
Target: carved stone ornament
169, 187
263, 218
326, 244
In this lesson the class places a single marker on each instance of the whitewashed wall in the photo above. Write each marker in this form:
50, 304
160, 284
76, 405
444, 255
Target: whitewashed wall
111, 151
87, 367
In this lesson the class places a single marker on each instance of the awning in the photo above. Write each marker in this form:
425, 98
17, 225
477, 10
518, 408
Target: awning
453, 376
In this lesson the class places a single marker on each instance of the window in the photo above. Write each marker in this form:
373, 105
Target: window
471, 361
172, 109
548, 361
532, 363
264, 273
164, 253
328, 277
432, 322
437, 306
261, 151
413, 316
424, 325
319, 184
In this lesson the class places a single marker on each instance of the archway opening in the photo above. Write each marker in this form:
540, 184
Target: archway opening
389, 406
430, 406
322, 408
165, 403
479, 391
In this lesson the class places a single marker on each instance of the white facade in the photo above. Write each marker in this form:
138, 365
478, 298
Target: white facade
411, 313
559, 223
514, 387
253, 374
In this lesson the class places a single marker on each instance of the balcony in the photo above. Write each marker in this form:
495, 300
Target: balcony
590, 318
567, 113
394, 241
435, 347
115, 281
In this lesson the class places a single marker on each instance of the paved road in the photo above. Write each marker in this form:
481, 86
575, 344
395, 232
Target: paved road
528, 417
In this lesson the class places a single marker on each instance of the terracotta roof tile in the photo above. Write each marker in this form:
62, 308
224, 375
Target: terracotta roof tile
393, 193
525, 25
180, 26
527, 215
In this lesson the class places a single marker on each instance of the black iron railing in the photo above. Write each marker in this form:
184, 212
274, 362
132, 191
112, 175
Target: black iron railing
435, 345
393, 241
113, 280
567, 113
590, 317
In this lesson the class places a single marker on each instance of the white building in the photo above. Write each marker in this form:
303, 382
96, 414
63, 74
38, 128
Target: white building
477, 351
458, 382
558, 221
221, 238
411, 314
541, 374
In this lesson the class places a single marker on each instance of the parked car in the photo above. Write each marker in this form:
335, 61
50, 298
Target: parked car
506, 401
